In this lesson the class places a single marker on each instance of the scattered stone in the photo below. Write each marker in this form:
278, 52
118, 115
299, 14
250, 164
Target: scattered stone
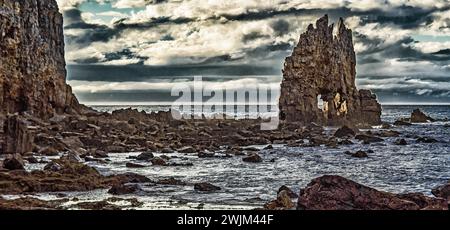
13, 162
133, 165
344, 131
171, 181
368, 139
158, 161
402, 123
401, 142
283, 202
123, 189
360, 154
290, 193
32, 160
53, 167
206, 187
253, 158
145, 156
49, 151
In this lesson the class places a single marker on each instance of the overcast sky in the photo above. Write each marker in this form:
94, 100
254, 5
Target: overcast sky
125, 50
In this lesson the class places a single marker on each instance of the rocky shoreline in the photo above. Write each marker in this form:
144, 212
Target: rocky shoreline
40, 116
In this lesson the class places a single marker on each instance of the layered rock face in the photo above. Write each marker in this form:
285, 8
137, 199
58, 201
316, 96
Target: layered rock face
323, 67
32, 66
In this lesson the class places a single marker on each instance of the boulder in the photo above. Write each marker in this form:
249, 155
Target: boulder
290, 193
123, 189
145, 156
13, 162
442, 191
158, 161
283, 202
338, 193
360, 154
252, 158
345, 131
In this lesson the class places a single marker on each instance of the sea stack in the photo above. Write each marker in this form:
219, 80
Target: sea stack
32, 65
323, 67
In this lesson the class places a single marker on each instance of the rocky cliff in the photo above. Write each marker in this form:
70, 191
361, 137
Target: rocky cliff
32, 65
323, 67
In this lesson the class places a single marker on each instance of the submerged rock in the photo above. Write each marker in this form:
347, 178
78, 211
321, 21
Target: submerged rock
145, 156
338, 193
252, 158
323, 68
206, 187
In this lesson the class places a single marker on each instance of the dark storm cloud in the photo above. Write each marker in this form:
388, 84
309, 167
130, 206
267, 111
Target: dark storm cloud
281, 27
111, 73
253, 36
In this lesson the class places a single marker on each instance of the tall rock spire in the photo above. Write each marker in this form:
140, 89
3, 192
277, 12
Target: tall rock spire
323, 68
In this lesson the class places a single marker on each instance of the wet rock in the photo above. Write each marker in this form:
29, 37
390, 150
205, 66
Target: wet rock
205, 155
252, 158
368, 139
158, 161
123, 189
133, 165
13, 162
427, 140
53, 167
91, 159
360, 154
283, 202
402, 123
344, 131
268, 147
338, 193
401, 142
171, 181
116, 149
418, 116
323, 65
289, 191
73, 157
442, 191
29, 203
32, 160
100, 154
206, 187
145, 156
49, 151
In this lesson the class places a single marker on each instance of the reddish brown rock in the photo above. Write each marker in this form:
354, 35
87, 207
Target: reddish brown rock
32, 69
18, 138
338, 193
323, 66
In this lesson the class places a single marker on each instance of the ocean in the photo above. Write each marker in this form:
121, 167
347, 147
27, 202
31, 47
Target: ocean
416, 167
